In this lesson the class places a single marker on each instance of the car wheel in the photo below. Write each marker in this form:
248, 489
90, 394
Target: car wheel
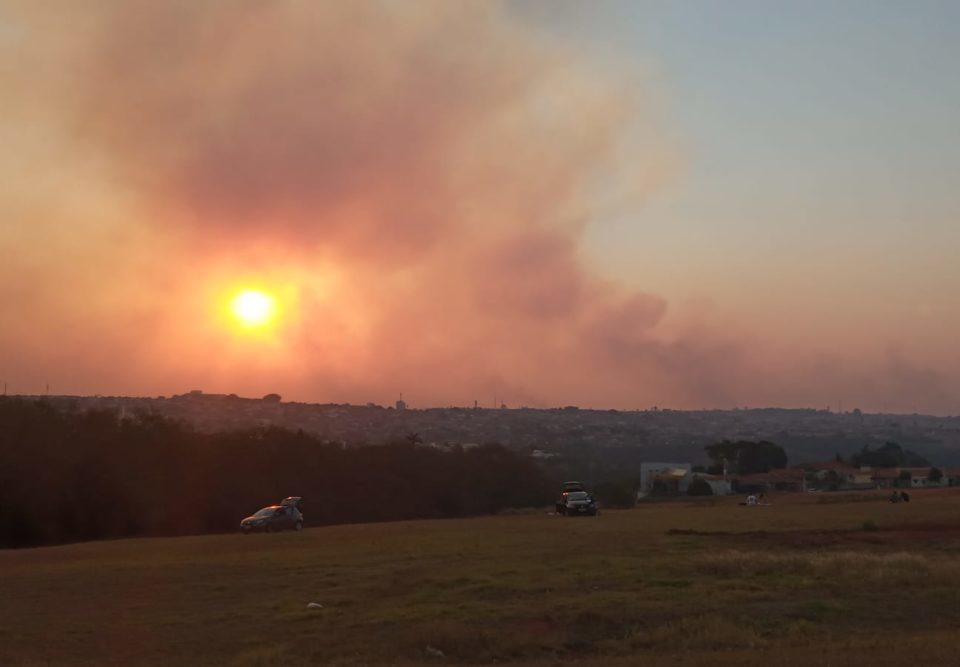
268, 528
298, 526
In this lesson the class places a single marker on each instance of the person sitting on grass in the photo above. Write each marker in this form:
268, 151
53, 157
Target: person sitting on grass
895, 497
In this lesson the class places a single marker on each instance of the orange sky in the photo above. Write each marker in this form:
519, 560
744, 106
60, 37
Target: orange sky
415, 185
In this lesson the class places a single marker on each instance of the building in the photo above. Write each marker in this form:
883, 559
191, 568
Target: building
919, 478
719, 484
675, 476
834, 475
885, 478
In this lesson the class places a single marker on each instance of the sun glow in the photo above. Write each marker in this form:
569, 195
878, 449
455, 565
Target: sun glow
253, 308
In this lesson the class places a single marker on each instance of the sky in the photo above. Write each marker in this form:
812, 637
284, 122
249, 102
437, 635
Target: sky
609, 204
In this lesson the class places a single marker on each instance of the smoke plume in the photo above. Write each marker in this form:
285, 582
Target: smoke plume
413, 178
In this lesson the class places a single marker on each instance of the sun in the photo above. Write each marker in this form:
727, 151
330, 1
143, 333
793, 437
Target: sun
253, 308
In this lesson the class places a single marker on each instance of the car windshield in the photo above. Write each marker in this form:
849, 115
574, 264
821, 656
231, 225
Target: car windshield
578, 495
266, 511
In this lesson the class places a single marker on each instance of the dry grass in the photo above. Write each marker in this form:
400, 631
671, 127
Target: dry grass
527, 590
889, 568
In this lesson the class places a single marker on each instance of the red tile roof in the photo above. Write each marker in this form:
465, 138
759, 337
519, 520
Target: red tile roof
894, 473
830, 465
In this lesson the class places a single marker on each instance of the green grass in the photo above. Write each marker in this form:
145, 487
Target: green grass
797, 583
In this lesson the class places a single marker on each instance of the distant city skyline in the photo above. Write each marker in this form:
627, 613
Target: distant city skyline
613, 205
806, 434
401, 404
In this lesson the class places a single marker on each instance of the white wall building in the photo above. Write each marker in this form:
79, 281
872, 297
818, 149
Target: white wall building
649, 472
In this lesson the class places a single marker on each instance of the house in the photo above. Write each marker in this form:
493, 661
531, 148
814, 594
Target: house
885, 478
920, 478
671, 482
720, 485
673, 476
951, 476
836, 475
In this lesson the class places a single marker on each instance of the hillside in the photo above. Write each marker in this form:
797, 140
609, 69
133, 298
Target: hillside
602, 441
842, 579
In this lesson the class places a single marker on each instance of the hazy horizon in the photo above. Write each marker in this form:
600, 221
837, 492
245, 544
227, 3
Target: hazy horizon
615, 205
836, 409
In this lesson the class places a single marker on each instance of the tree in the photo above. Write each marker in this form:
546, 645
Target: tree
747, 457
935, 475
890, 455
69, 476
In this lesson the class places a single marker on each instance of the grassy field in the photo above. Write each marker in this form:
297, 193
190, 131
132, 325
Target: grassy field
826, 579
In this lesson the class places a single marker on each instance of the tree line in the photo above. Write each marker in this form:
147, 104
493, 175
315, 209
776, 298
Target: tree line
69, 476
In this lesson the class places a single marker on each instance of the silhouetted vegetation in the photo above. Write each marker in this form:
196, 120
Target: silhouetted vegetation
92, 475
890, 455
746, 457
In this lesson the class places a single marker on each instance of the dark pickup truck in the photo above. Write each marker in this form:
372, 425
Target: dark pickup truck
577, 503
